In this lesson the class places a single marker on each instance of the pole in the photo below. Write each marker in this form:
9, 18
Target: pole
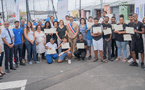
2, 11
53, 9
101, 3
34, 8
80, 8
27, 11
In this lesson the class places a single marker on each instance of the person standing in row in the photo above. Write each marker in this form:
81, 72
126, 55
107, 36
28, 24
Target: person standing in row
51, 21
83, 28
66, 20
47, 26
89, 37
97, 41
55, 24
18, 44
1, 55
40, 39
121, 44
30, 42
137, 41
73, 30
113, 44
22, 26
107, 39
60, 32
102, 19
7, 36
81, 53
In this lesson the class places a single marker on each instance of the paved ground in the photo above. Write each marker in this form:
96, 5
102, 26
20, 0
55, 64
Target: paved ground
80, 75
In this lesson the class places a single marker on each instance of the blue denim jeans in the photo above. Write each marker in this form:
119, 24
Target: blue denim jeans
50, 56
30, 47
122, 45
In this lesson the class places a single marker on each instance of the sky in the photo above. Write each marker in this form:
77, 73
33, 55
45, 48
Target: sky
42, 5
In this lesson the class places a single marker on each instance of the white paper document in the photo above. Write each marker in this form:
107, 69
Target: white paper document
127, 37
65, 46
127, 21
130, 30
97, 29
51, 51
51, 30
118, 27
107, 31
113, 26
90, 24
80, 46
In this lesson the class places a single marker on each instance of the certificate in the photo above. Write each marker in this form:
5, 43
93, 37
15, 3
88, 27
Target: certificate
127, 37
51, 30
118, 27
90, 24
80, 46
51, 51
113, 26
107, 31
130, 30
65, 46
127, 21
97, 29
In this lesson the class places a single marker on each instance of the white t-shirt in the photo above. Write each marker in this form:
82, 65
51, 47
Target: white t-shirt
30, 35
49, 45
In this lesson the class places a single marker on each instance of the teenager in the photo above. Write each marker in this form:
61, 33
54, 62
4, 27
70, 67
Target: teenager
65, 52
137, 41
89, 37
81, 53
18, 44
121, 44
97, 41
51, 45
102, 19
107, 39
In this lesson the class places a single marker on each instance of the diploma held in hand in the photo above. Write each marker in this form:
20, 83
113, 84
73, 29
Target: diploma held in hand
130, 30
118, 27
107, 31
113, 26
65, 46
90, 24
51, 30
97, 29
80, 46
127, 37
51, 51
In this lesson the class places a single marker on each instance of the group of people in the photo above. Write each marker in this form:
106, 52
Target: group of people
70, 40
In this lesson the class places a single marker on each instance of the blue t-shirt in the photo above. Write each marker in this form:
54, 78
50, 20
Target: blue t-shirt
89, 37
17, 33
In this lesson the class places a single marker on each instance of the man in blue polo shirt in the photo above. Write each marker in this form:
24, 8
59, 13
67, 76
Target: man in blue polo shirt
18, 45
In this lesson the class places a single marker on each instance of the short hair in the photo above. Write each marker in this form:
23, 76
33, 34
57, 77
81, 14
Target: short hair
106, 17
105, 12
52, 39
51, 17
16, 22
80, 34
83, 19
130, 14
71, 17
114, 17
90, 17
61, 21
121, 16
55, 22
64, 37
135, 14
67, 16
96, 19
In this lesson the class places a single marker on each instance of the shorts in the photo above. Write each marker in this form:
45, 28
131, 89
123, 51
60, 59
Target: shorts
89, 43
63, 56
98, 45
137, 45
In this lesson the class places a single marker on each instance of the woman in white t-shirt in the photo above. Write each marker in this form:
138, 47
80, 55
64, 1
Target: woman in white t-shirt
40, 41
1, 55
51, 51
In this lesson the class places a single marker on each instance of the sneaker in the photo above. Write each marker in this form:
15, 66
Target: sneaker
37, 62
134, 64
90, 57
23, 64
129, 57
69, 61
137, 61
129, 61
30, 63
110, 59
142, 65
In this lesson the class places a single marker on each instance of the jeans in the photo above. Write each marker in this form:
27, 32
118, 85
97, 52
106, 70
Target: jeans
122, 45
8, 56
50, 56
30, 47
16, 48
107, 45
1, 59
23, 51
81, 53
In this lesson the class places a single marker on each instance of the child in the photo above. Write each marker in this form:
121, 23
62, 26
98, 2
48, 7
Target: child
51, 45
